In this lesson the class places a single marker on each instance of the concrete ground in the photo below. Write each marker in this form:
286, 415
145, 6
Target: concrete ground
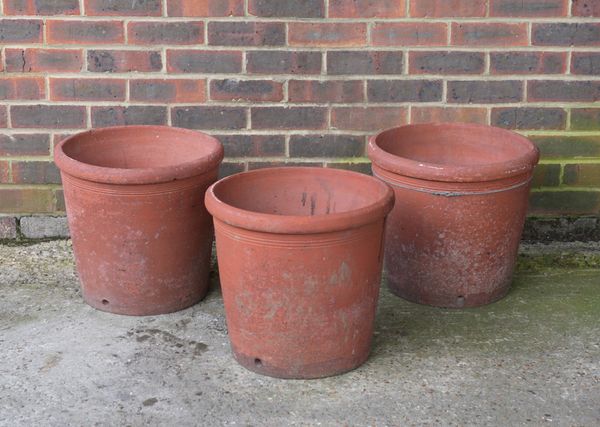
530, 359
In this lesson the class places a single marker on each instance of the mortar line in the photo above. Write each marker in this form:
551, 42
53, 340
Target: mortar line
345, 77
271, 104
406, 19
200, 48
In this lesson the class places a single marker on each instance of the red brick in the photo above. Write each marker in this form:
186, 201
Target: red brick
315, 91
485, 91
586, 8
3, 116
409, 34
560, 147
127, 116
48, 116
289, 118
229, 168
287, 8
362, 62
328, 34
528, 62
401, 91
202, 61
36, 7
529, 8
85, 32
585, 119
26, 200
252, 145
4, 172
59, 197
208, 8
564, 203
563, 91
367, 118
447, 8
70, 89
546, 175
20, 88
448, 115
446, 63
585, 63
327, 146
367, 8
582, 175
283, 163
209, 117
246, 90
35, 172
489, 34
21, 30
24, 145
284, 62
177, 33
123, 61
162, 91
525, 118
566, 34
43, 60
246, 33
123, 7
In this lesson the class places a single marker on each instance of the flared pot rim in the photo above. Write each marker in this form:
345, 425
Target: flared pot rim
133, 176
300, 224
483, 172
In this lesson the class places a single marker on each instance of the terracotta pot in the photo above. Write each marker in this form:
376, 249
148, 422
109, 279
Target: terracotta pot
461, 199
141, 234
300, 257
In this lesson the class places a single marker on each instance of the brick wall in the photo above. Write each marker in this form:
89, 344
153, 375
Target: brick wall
300, 82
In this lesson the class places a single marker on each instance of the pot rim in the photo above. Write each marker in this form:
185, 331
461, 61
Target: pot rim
451, 173
151, 175
299, 224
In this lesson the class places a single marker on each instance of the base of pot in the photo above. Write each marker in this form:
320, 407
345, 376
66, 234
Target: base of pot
143, 310
445, 301
300, 372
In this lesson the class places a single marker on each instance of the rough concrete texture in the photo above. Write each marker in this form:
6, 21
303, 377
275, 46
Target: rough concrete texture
531, 359
41, 227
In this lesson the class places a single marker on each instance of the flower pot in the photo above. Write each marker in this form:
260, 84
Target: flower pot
300, 257
141, 234
461, 199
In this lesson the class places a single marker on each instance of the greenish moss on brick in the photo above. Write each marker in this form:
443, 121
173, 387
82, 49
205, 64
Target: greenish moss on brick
565, 203
546, 175
553, 147
30, 200
582, 175
585, 119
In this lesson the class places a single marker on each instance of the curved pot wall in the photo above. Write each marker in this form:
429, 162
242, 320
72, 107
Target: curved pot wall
461, 199
141, 234
300, 257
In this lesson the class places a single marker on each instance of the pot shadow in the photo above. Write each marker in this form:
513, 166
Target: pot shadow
414, 329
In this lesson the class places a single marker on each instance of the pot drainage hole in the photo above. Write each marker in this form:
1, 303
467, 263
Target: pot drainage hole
257, 363
105, 302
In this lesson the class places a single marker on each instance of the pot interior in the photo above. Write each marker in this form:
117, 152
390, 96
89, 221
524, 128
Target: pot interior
138, 147
454, 145
299, 191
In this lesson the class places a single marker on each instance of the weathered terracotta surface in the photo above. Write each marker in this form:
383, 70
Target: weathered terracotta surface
300, 257
141, 234
461, 199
